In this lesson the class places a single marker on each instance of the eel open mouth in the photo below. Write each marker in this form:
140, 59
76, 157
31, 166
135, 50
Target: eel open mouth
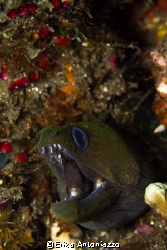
79, 180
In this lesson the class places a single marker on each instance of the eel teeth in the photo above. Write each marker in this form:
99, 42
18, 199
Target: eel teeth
53, 153
59, 158
59, 147
42, 150
98, 183
73, 192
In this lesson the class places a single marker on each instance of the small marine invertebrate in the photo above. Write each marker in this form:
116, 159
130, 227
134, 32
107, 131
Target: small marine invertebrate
44, 32
32, 8
56, 4
155, 196
158, 59
5, 147
4, 70
20, 83
62, 41
100, 182
22, 157
12, 14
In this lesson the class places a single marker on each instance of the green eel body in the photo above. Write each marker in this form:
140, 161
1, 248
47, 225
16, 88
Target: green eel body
100, 182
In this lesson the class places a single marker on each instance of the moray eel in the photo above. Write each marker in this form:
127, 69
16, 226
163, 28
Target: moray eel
100, 182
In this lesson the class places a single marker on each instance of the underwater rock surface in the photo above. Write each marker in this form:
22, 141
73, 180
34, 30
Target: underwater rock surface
67, 61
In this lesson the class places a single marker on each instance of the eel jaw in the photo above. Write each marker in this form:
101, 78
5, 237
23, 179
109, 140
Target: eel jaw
79, 180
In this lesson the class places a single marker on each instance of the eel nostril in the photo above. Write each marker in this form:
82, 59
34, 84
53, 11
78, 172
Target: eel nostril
54, 133
42, 150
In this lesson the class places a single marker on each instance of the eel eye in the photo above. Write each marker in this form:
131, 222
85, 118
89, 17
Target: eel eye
54, 133
80, 138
